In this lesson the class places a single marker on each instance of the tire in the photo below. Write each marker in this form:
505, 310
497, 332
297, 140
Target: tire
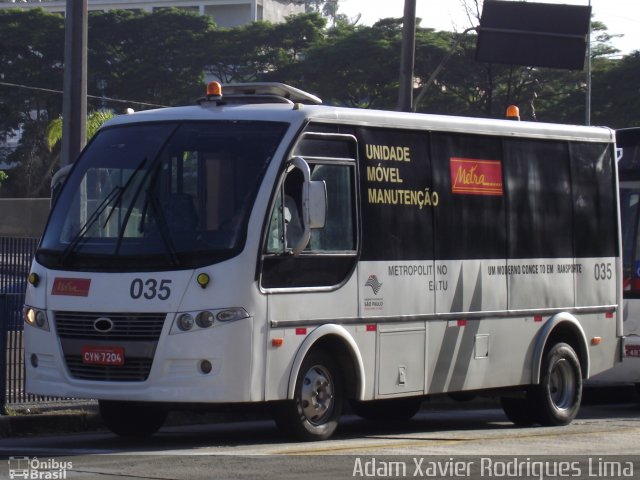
392, 410
520, 411
315, 410
557, 398
132, 419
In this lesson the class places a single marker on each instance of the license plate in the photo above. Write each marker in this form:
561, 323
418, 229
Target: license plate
632, 350
102, 355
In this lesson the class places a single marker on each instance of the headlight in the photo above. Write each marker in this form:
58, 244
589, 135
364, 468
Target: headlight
185, 322
232, 314
200, 320
205, 319
35, 317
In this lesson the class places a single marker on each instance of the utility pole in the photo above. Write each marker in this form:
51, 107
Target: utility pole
74, 102
587, 109
407, 59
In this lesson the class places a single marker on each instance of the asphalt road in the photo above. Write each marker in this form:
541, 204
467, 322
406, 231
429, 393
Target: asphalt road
462, 443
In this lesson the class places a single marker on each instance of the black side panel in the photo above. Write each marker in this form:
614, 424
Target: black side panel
538, 185
396, 195
470, 220
305, 271
594, 200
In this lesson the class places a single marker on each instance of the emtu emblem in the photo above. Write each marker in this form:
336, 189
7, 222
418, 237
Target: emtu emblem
373, 282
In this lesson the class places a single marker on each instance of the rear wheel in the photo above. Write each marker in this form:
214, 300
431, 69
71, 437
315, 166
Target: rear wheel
559, 394
519, 410
315, 410
132, 419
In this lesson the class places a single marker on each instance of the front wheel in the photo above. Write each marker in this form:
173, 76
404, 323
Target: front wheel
315, 410
559, 394
132, 419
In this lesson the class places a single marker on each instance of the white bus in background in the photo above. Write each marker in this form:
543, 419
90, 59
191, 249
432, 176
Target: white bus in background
263, 248
628, 372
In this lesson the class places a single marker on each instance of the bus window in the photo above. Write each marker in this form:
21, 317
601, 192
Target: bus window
629, 208
338, 233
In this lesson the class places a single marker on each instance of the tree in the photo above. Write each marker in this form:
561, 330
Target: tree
159, 58
30, 178
615, 101
155, 57
340, 68
328, 8
31, 60
261, 49
31, 55
95, 120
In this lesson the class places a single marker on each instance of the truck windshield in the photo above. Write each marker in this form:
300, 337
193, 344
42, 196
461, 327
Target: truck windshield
161, 195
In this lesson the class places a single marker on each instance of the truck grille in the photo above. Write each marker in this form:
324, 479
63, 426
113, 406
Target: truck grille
126, 326
134, 370
137, 333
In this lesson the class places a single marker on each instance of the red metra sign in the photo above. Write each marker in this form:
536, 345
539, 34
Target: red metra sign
73, 287
476, 177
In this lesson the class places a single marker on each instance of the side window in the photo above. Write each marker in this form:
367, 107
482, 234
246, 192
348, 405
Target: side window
338, 232
327, 254
629, 208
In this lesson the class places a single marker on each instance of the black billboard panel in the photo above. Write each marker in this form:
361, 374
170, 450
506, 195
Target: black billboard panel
533, 34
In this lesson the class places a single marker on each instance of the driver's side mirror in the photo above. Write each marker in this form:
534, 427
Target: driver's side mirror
314, 205
317, 201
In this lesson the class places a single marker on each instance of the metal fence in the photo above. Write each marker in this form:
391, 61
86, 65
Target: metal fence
15, 262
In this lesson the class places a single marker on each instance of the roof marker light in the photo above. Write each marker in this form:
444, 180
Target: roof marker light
513, 112
214, 89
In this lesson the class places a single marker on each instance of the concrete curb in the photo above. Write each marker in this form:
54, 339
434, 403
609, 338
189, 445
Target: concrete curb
52, 419
48, 423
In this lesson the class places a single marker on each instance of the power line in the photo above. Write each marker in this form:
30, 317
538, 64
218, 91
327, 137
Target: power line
48, 90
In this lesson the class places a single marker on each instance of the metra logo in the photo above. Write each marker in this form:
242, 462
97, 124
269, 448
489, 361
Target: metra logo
73, 287
373, 282
476, 177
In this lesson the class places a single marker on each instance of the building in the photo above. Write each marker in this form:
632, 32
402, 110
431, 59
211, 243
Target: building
225, 13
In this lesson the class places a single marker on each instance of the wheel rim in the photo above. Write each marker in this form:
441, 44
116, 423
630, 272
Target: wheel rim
317, 394
562, 385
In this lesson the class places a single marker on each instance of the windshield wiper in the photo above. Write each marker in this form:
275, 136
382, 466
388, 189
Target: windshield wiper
113, 198
163, 228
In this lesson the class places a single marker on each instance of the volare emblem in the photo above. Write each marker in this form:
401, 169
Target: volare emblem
103, 325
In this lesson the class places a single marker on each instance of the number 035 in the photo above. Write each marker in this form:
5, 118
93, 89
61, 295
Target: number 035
150, 289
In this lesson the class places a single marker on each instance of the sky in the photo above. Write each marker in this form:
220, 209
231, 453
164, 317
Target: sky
620, 16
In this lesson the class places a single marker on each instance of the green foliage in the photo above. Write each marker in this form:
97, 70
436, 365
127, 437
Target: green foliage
256, 51
162, 58
31, 52
53, 134
156, 57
